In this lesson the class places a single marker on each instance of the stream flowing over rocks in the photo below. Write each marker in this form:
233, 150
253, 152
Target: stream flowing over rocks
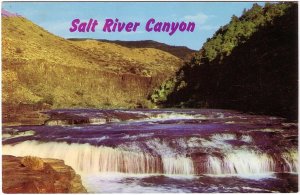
199, 150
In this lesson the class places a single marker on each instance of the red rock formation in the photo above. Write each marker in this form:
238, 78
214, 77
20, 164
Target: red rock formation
55, 177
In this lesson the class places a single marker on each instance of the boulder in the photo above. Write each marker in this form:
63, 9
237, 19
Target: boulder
36, 175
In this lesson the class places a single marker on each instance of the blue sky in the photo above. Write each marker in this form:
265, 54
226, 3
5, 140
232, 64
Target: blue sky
56, 17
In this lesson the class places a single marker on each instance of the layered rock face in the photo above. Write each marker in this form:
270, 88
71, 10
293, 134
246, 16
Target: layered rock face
36, 175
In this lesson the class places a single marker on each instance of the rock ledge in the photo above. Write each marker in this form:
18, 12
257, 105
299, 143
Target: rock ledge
54, 177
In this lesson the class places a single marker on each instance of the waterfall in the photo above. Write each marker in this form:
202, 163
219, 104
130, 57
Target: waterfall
179, 165
86, 158
90, 159
246, 161
291, 160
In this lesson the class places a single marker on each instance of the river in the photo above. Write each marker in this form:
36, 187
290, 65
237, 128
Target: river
175, 150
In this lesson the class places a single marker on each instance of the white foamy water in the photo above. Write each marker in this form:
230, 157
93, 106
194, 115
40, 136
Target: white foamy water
86, 158
291, 159
57, 123
97, 121
179, 165
17, 134
175, 116
91, 159
250, 163
126, 183
224, 136
241, 162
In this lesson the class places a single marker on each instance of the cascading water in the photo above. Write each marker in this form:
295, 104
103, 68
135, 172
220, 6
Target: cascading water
180, 165
291, 160
90, 159
161, 143
241, 162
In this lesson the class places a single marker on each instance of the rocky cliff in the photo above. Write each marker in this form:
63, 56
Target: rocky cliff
35, 175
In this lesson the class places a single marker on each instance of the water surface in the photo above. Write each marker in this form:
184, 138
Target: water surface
200, 150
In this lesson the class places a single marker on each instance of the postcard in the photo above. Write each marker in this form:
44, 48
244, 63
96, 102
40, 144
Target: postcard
149, 97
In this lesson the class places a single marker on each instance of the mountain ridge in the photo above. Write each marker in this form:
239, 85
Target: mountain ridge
181, 52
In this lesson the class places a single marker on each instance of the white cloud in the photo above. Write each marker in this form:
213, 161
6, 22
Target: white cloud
209, 27
199, 18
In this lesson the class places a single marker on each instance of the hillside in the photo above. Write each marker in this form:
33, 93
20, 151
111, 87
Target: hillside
251, 65
40, 68
181, 52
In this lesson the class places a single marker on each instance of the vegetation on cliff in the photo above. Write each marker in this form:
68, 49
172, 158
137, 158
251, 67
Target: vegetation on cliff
250, 64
